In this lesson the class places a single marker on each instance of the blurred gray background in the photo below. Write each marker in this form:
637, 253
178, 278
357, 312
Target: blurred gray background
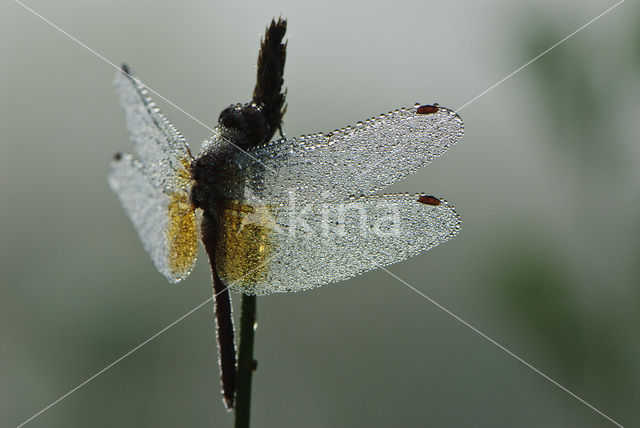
546, 179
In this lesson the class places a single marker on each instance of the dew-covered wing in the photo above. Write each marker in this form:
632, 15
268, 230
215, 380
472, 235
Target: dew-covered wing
165, 221
354, 161
265, 249
160, 146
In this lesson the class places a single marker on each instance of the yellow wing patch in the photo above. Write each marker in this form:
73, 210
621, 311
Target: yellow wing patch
244, 245
182, 235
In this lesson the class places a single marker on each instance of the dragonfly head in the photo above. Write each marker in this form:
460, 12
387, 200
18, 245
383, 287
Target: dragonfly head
245, 125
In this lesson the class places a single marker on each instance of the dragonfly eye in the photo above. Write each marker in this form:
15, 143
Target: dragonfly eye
245, 125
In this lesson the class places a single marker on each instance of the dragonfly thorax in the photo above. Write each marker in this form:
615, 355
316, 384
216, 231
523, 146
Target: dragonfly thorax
208, 171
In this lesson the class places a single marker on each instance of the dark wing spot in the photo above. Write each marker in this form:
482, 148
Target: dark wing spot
117, 156
427, 109
429, 200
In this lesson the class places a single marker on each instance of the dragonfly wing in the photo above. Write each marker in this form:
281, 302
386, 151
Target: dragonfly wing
160, 146
354, 161
266, 249
165, 222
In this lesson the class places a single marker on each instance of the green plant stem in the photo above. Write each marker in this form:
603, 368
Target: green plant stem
246, 364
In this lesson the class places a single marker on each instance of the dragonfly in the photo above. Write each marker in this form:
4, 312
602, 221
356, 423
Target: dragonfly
279, 215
